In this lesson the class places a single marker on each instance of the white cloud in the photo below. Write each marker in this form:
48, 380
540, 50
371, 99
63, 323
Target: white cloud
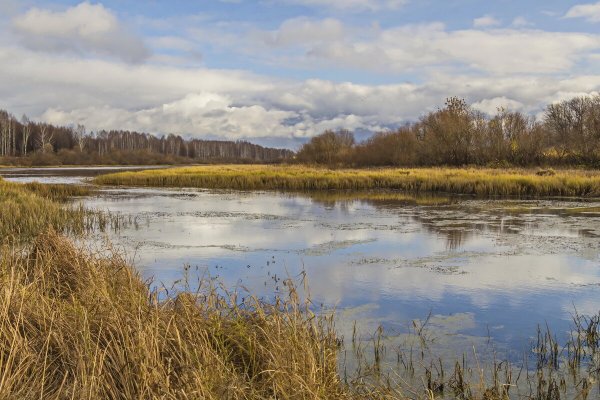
485, 21
590, 12
234, 104
85, 28
414, 47
352, 5
204, 114
491, 106
299, 31
521, 69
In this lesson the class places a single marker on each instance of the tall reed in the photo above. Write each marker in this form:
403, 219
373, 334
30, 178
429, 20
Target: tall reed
29, 210
78, 325
81, 325
480, 182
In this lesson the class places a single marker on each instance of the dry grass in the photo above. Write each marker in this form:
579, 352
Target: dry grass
59, 192
79, 325
75, 325
30, 209
481, 182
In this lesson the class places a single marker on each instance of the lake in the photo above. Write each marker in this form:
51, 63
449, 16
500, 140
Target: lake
483, 271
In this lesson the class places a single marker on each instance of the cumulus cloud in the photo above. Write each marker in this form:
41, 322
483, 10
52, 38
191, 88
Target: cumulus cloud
412, 47
491, 106
485, 21
520, 69
85, 28
231, 104
590, 12
204, 114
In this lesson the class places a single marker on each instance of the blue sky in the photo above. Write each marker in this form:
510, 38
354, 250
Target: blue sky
280, 71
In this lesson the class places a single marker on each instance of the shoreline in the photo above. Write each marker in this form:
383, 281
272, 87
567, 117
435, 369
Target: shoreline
478, 182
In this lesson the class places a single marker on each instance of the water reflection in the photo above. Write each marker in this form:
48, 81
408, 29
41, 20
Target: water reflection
506, 265
510, 271
61, 175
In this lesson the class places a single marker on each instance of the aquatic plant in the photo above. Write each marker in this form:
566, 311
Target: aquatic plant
27, 210
78, 324
134, 342
480, 182
59, 192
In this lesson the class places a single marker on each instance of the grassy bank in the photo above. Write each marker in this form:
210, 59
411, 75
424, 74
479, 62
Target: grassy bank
85, 326
480, 182
76, 325
27, 210
82, 325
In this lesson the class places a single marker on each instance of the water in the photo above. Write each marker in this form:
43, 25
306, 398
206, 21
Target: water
484, 270
61, 175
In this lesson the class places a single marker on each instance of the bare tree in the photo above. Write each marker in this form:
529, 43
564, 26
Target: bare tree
45, 137
7, 135
26, 132
80, 136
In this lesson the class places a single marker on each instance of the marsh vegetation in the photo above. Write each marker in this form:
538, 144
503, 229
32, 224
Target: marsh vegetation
479, 182
30, 209
200, 340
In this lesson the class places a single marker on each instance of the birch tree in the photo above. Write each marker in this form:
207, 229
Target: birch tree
45, 137
26, 134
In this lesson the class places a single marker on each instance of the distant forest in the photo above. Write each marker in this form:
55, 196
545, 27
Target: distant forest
458, 135
24, 142
568, 134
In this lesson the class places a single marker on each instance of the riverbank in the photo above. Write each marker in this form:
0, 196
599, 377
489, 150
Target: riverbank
135, 342
479, 182
131, 341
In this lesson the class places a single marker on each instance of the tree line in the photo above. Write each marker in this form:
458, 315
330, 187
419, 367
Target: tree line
23, 141
458, 135
455, 135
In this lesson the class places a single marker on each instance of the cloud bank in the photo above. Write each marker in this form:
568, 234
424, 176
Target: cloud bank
84, 64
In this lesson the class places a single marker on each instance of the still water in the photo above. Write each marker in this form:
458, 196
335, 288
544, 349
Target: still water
482, 270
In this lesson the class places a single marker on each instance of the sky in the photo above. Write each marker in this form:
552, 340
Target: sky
278, 72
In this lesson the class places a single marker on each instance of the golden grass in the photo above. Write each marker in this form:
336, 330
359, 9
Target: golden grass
376, 196
79, 325
26, 210
59, 192
75, 325
480, 182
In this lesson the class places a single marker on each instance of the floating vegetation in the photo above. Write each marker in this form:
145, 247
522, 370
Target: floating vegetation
378, 196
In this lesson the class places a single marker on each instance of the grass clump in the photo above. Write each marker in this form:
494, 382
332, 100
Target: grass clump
59, 192
377, 196
78, 325
27, 210
480, 182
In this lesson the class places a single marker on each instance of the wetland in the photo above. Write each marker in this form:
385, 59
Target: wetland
481, 275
